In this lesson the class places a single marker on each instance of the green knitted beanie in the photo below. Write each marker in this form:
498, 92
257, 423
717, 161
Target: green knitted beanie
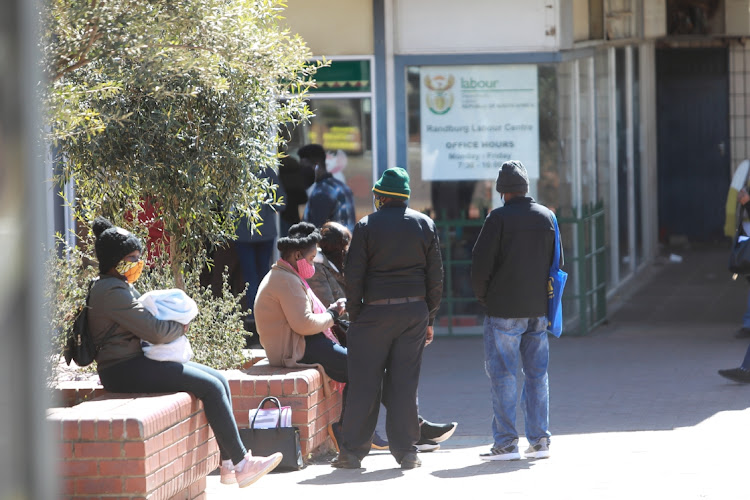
394, 183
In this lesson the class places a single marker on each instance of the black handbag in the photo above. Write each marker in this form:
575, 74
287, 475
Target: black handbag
739, 257
264, 442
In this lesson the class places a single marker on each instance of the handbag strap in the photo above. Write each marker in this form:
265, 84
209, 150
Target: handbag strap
556, 257
273, 400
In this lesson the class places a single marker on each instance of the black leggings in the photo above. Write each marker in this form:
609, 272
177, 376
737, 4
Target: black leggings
144, 375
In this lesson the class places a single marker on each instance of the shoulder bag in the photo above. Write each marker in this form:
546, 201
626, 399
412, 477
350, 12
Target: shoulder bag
555, 286
264, 442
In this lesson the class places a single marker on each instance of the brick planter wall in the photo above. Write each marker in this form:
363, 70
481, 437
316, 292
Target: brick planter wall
122, 446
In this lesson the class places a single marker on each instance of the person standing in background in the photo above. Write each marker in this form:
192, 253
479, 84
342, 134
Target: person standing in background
394, 284
255, 250
295, 180
330, 199
509, 271
328, 284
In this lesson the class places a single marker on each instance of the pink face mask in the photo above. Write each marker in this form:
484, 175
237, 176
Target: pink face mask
305, 269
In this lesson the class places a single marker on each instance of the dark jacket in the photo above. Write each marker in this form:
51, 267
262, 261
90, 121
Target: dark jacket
394, 253
330, 199
511, 259
328, 282
113, 301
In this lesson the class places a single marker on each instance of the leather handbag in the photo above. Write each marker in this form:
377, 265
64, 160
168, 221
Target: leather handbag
264, 442
739, 257
555, 287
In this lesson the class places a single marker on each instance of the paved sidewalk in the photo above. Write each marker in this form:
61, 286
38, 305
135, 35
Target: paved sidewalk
637, 409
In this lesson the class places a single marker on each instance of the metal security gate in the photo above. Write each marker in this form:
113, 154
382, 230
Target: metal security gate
585, 298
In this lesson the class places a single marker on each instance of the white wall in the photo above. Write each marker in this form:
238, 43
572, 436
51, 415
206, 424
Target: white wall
737, 17
580, 20
654, 18
475, 26
332, 27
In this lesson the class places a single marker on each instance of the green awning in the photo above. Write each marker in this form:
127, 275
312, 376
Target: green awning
343, 76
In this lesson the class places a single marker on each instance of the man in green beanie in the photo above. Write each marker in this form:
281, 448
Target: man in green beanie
394, 282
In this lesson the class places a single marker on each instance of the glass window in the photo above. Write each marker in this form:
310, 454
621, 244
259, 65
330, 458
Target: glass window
637, 206
343, 126
622, 241
471, 199
587, 118
603, 96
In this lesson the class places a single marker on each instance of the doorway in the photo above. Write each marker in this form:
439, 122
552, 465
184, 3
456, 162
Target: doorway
692, 98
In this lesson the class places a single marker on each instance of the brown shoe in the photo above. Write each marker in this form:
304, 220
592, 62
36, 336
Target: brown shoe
255, 468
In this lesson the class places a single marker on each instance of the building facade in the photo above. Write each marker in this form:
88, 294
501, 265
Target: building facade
630, 116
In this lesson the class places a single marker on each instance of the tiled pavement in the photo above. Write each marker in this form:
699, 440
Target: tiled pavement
637, 409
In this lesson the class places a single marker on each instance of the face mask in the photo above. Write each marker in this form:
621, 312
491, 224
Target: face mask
305, 269
378, 202
131, 270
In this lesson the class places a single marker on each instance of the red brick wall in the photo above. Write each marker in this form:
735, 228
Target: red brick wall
119, 445
160, 446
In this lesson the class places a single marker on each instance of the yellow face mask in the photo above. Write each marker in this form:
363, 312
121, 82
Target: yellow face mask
131, 270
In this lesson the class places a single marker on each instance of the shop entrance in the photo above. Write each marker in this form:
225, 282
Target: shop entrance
693, 142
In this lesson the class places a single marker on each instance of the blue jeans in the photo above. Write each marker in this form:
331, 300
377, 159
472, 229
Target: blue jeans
144, 375
328, 354
255, 262
505, 341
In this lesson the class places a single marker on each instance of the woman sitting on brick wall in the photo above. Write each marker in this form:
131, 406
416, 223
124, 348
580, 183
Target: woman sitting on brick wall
118, 322
293, 324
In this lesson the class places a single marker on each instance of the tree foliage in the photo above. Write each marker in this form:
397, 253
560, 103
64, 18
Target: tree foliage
174, 101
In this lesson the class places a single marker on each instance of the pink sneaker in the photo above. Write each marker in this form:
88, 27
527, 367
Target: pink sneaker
255, 468
227, 475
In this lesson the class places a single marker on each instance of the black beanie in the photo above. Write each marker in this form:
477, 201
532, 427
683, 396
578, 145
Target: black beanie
112, 243
512, 178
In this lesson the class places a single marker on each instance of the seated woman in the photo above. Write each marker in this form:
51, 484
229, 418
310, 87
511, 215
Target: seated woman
293, 324
328, 284
118, 322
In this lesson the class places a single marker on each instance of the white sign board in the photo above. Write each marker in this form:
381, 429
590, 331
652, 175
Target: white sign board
475, 118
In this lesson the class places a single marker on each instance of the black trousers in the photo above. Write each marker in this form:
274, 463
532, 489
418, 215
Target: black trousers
385, 347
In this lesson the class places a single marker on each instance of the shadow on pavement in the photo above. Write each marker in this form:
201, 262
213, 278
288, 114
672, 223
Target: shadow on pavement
339, 476
483, 468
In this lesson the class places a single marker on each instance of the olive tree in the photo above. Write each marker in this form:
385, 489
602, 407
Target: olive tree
177, 102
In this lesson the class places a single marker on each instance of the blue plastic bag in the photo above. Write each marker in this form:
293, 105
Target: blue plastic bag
555, 287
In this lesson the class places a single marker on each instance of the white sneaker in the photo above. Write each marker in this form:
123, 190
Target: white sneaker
508, 452
425, 445
540, 449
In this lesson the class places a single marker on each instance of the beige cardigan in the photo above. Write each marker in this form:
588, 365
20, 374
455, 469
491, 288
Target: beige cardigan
283, 316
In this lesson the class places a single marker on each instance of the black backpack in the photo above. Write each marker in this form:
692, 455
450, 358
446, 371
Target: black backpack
79, 343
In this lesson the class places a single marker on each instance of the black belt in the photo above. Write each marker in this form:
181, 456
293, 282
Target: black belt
400, 300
